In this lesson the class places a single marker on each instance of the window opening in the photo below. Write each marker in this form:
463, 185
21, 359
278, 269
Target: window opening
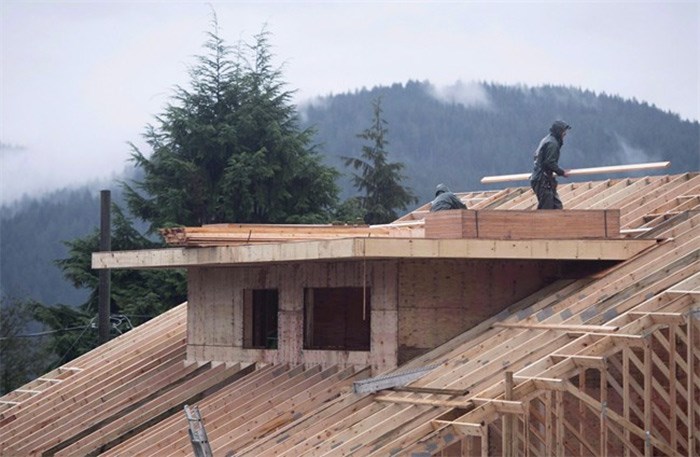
335, 318
260, 318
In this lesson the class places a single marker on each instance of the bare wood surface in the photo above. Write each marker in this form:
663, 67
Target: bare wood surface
581, 171
563, 327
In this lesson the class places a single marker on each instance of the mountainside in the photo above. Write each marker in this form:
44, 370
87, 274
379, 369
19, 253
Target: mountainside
459, 134
454, 135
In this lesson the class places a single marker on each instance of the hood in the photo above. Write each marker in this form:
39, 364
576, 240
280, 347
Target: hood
558, 128
441, 188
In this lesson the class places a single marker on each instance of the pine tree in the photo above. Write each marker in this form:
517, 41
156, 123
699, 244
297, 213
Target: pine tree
230, 149
379, 180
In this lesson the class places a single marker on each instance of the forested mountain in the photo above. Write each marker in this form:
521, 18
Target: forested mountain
459, 134
454, 135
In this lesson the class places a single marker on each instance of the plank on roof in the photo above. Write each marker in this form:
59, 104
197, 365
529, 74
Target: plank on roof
581, 171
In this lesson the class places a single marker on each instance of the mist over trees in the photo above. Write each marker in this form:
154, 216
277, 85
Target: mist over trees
460, 134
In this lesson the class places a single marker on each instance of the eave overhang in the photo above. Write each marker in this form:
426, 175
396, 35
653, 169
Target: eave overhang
372, 248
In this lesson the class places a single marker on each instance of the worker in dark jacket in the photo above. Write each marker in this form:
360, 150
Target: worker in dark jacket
543, 180
444, 199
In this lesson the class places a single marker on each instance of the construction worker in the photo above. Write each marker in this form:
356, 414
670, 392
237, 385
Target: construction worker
543, 180
445, 199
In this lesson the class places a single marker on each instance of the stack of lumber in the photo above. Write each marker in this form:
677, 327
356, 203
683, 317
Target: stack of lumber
234, 234
523, 225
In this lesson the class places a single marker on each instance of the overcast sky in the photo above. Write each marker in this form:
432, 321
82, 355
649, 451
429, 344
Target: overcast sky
79, 79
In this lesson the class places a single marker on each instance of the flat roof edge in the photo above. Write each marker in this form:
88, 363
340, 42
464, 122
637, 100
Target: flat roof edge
373, 248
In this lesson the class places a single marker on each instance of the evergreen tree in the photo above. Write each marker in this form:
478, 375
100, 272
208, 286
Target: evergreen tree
136, 295
230, 149
379, 180
21, 357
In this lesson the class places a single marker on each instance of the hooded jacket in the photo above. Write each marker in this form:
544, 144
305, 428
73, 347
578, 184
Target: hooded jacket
444, 199
546, 156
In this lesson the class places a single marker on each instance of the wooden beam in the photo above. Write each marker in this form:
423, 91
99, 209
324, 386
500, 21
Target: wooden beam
581, 171
430, 390
564, 327
421, 401
544, 383
466, 428
508, 426
372, 248
501, 406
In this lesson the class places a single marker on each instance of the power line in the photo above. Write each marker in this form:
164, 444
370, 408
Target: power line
48, 332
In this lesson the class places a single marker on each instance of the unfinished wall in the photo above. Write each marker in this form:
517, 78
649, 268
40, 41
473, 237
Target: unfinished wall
438, 300
216, 304
415, 305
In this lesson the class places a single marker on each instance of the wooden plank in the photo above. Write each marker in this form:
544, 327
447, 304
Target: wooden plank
387, 248
581, 171
562, 327
311, 393
170, 401
429, 390
465, 428
508, 419
514, 224
423, 401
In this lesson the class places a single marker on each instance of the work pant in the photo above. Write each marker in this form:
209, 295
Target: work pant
546, 191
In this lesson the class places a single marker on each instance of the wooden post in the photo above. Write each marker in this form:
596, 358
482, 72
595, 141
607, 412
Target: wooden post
672, 384
507, 439
626, 395
648, 448
548, 445
104, 292
582, 410
485, 441
691, 381
526, 431
603, 413
559, 405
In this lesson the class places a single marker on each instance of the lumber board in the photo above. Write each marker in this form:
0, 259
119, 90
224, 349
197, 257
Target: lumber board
387, 248
582, 171
288, 399
289, 410
564, 327
528, 225
170, 401
212, 407
228, 234
424, 401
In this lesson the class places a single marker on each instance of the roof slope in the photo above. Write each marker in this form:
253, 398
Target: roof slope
628, 327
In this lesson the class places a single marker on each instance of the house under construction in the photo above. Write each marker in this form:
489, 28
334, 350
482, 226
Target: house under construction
496, 330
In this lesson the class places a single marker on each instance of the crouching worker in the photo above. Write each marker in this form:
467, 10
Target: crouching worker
445, 199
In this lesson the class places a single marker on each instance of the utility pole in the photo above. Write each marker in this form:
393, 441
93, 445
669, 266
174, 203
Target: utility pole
105, 275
